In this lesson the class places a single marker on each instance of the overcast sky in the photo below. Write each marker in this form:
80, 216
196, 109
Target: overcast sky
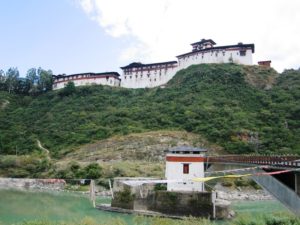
73, 36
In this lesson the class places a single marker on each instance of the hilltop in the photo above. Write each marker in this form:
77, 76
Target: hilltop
243, 109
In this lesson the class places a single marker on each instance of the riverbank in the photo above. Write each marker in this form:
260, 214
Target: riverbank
241, 194
223, 193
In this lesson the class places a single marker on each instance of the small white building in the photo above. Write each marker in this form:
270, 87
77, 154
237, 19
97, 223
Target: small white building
185, 163
138, 75
83, 79
205, 51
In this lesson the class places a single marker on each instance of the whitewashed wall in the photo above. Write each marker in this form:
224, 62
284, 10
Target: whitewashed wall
111, 81
174, 171
145, 79
215, 56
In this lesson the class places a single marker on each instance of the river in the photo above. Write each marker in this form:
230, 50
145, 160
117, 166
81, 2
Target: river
17, 206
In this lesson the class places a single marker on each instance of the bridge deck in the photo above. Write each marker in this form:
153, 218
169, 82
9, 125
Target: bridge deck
276, 161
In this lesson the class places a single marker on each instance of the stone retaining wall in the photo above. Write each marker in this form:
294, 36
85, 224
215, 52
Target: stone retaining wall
51, 184
199, 204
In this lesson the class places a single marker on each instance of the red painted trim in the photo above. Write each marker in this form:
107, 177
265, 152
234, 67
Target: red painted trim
185, 159
85, 78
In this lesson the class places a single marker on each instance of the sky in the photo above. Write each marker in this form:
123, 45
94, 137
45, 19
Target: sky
75, 36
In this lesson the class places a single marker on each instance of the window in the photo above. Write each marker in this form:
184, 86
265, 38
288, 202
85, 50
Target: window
242, 52
186, 168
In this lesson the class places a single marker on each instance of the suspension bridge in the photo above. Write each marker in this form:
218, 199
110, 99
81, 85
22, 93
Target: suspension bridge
282, 181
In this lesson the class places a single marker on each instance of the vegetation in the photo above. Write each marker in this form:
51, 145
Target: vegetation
74, 171
274, 219
213, 100
36, 82
24, 166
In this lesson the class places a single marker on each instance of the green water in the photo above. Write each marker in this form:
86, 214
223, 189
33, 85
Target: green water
18, 206
258, 207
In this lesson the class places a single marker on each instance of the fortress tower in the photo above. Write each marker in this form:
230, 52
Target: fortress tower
205, 51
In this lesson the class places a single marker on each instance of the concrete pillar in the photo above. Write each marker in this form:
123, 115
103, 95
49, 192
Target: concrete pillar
297, 183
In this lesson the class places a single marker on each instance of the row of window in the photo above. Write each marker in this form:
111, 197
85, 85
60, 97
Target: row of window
126, 72
241, 53
148, 73
141, 76
145, 68
73, 77
76, 77
148, 77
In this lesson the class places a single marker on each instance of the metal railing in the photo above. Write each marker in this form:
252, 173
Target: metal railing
278, 161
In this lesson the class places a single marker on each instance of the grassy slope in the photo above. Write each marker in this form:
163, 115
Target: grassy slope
139, 154
215, 101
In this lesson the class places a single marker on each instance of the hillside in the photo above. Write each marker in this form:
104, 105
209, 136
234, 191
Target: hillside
243, 109
138, 154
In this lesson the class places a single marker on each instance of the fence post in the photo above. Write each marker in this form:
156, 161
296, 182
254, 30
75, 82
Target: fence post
92, 193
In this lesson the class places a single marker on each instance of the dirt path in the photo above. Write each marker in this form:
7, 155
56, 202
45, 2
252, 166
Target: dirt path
44, 149
4, 104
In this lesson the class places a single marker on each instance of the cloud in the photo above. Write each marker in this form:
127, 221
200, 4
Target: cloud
161, 29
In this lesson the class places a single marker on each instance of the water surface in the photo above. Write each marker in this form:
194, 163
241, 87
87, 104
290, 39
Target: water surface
17, 206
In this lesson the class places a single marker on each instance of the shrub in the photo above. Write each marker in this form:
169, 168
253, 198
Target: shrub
160, 187
93, 171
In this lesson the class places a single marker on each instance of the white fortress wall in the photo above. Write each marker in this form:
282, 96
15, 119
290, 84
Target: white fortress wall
81, 80
145, 77
215, 56
138, 75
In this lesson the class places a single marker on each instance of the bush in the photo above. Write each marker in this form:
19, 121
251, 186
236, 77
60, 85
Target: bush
160, 187
240, 182
226, 183
93, 171
124, 196
69, 89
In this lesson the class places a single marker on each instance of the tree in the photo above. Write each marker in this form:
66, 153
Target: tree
12, 76
93, 171
22, 86
32, 78
2, 81
45, 80
69, 89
